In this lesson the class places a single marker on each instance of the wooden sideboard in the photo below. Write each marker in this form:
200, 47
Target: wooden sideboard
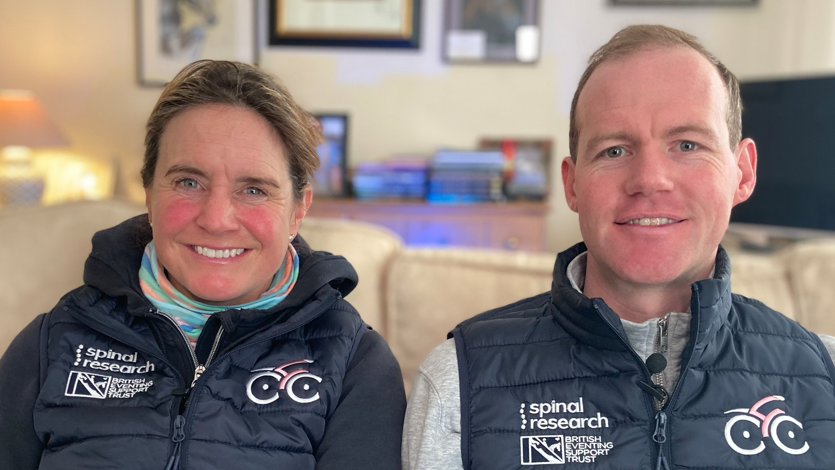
507, 226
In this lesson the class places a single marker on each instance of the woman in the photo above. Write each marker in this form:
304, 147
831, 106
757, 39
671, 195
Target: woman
208, 334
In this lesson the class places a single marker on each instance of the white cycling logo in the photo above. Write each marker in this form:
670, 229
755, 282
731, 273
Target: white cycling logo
780, 427
264, 387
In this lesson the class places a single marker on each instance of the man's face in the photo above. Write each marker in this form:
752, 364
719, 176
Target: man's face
655, 178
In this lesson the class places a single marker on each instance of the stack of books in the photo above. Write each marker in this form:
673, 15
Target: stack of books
466, 176
401, 178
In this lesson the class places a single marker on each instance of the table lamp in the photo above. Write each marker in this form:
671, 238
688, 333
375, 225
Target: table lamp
23, 125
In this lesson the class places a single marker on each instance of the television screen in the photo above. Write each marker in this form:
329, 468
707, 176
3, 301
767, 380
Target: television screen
792, 123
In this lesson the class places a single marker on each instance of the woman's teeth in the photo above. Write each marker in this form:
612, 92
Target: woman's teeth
211, 253
653, 221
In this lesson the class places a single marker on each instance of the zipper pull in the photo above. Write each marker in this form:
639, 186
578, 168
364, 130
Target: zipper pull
198, 371
179, 424
660, 437
662, 334
178, 436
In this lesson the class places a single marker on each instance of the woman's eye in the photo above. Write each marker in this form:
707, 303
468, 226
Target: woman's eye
615, 152
687, 146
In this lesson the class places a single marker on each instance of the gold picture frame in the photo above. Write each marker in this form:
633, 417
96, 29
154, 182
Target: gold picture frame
340, 23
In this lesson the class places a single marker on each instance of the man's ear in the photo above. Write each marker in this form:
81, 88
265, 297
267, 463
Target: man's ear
568, 183
746, 163
302, 205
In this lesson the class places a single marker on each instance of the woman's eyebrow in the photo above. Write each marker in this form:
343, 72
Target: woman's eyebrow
259, 181
185, 169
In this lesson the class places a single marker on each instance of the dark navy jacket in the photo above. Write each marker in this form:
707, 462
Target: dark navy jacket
115, 376
551, 381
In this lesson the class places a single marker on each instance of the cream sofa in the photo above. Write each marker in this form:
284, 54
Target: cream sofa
413, 297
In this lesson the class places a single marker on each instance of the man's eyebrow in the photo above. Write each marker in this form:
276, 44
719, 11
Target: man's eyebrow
190, 170
598, 139
688, 128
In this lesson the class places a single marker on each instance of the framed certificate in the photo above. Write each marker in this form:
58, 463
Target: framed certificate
345, 23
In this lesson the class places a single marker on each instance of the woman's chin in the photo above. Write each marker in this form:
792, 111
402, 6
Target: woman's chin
220, 295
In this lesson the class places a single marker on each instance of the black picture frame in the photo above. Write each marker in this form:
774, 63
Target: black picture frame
331, 178
485, 31
409, 38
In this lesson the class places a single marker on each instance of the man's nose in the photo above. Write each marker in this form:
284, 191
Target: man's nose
650, 172
218, 212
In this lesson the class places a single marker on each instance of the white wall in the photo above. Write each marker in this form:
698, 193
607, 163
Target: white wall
79, 58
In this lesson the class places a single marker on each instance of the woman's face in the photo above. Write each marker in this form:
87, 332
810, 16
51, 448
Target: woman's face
222, 188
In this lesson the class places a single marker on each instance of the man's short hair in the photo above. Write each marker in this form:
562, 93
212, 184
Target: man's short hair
641, 37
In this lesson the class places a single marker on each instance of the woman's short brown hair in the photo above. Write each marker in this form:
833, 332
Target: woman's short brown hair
245, 86
635, 38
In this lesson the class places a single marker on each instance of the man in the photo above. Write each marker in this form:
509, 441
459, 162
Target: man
639, 357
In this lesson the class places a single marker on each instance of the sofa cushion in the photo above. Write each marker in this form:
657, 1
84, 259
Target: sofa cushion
44, 253
811, 270
763, 276
429, 291
369, 248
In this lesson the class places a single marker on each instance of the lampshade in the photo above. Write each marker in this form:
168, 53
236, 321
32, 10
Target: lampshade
23, 122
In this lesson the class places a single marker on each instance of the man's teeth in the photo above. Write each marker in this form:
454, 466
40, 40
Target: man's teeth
211, 253
651, 221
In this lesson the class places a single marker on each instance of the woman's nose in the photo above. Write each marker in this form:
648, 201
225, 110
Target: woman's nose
217, 213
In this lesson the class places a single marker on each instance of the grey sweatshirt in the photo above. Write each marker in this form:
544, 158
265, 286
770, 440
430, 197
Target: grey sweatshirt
432, 429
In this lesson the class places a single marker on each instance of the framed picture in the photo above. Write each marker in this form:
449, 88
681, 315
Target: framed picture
331, 178
341, 23
491, 31
175, 33
527, 166
686, 2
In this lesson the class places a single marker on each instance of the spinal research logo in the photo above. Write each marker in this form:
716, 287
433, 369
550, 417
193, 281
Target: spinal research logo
266, 385
85, 384
558, 448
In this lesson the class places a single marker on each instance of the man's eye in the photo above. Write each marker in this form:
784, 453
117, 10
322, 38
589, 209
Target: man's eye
687, 146
253, 192
188, 183
615, 152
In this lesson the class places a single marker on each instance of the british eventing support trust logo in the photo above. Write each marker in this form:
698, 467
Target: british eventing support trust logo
541, 450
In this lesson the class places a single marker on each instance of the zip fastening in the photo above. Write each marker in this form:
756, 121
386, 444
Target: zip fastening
661, 344
198, 371
180, 420
660, 437
177, 437
182, 334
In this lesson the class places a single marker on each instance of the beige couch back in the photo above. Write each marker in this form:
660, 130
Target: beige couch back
45, 249
369, 248
44, 257
432, 290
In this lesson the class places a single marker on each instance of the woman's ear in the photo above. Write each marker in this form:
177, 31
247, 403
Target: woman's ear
302, 205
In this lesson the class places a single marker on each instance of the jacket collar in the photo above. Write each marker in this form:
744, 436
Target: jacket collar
591, 321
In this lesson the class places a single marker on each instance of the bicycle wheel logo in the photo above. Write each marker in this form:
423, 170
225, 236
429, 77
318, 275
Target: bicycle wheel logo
746, 432
265, 386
